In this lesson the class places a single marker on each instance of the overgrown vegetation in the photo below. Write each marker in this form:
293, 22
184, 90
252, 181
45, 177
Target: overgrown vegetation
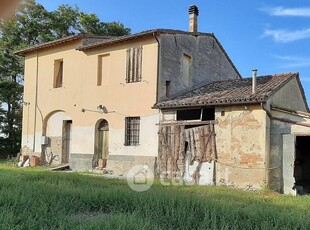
32, 199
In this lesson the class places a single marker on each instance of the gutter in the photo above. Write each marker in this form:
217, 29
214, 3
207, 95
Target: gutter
36, 105
285, 120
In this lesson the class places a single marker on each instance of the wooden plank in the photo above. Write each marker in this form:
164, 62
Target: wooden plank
60, 167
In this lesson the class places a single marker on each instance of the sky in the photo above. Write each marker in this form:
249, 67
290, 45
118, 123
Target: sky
272, 36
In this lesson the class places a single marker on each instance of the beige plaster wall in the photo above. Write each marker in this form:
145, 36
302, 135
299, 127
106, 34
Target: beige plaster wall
80, 91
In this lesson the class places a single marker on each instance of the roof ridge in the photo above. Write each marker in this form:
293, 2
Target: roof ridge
144, 33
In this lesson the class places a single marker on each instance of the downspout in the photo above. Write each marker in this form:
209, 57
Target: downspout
36, 104
268, 163
158, 59
284, 119
157, 163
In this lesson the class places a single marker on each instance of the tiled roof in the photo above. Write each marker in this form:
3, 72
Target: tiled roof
238, 91
93, 41
87, 40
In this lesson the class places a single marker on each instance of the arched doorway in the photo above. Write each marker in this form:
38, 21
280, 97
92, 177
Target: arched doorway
57, 126
102, 143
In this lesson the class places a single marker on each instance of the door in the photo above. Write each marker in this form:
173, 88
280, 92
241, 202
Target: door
288, 163
102, 150
66, 140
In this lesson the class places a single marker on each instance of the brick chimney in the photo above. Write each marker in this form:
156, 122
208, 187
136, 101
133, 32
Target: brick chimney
193, 18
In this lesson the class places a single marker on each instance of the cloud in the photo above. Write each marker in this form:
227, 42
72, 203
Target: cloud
285, 36
281, 11
293, 61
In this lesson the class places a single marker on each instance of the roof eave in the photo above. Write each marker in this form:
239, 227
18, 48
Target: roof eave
54, 43
211, 104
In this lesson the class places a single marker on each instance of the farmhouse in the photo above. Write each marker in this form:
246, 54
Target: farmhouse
89, 97
166, 98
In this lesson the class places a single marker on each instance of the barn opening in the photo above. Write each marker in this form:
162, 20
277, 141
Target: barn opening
302, 165
204, 114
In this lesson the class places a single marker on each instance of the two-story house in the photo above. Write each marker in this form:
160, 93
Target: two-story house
90, 98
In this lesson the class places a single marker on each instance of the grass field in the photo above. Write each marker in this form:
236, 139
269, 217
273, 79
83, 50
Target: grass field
34, 199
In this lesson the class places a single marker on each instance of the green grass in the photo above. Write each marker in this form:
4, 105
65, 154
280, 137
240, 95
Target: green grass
34, 199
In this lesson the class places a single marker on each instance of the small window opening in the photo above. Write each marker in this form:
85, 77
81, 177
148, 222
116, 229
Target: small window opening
58, 73
205, 114
189, 114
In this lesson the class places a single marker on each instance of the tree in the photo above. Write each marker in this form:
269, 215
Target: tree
11, 117
32, 25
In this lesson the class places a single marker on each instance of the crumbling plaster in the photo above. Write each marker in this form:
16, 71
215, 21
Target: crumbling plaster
241, 146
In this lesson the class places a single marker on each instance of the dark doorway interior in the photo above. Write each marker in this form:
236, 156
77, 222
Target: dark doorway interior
302, 165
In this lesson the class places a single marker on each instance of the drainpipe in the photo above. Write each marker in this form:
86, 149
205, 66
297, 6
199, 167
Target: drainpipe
158, 61
157, 88
36, 105
268, 163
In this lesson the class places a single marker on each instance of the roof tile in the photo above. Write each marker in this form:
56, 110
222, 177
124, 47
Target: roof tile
237, 91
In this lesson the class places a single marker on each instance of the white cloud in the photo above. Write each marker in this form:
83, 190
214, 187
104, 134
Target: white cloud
293, 61
281, 11
285, 36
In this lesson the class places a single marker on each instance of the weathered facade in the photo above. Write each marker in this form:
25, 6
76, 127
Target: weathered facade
89, 98
250, 138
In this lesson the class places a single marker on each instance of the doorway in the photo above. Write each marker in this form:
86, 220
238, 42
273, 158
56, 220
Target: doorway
66, 141
302, 164
102, 144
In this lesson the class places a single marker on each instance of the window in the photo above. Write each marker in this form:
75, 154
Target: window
103, 69
134, 65
204, 114
58, 73
189, 114
132, 129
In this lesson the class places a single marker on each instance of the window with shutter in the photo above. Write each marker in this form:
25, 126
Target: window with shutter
134, 65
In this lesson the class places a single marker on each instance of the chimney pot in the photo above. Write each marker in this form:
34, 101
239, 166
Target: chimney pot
254, 75
193, 18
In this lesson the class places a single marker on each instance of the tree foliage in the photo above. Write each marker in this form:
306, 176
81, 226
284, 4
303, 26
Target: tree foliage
32, 25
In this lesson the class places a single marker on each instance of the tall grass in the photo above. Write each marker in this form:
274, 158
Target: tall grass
32, 199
